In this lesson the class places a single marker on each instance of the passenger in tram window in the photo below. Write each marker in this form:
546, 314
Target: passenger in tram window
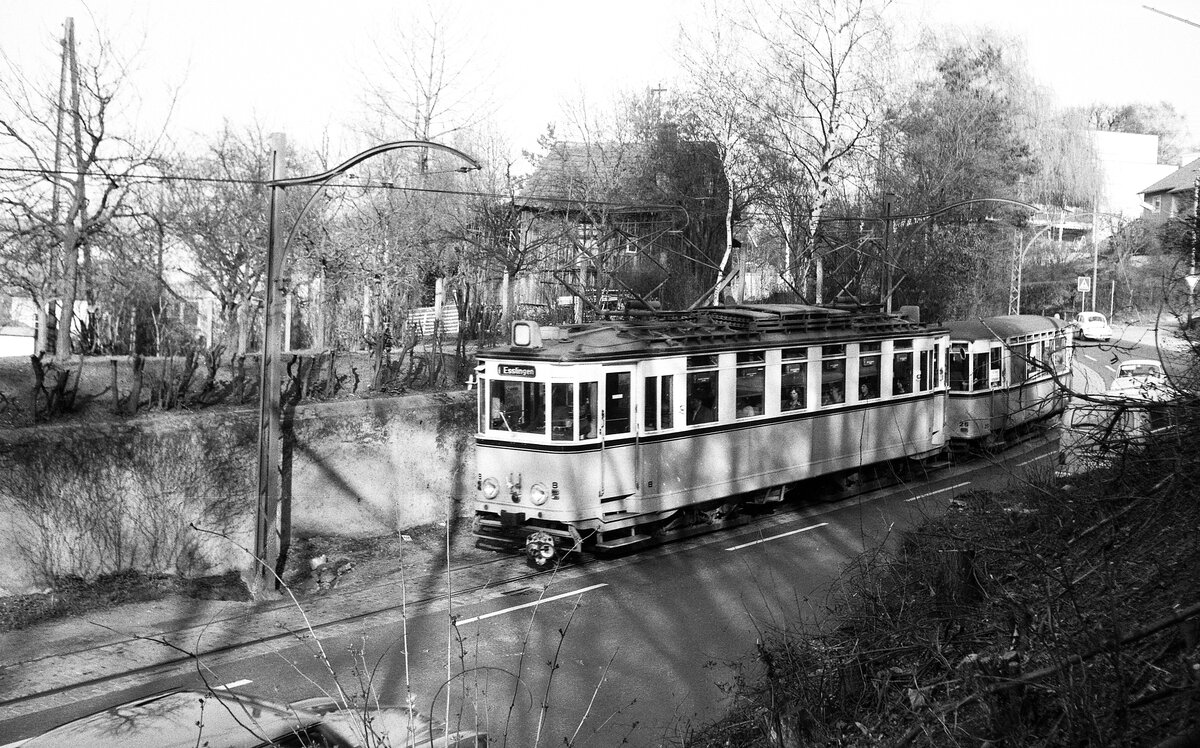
698, 412
794, 402
832, 396
746, 410
898, 387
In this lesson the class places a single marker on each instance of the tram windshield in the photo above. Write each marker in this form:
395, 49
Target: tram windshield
519, 407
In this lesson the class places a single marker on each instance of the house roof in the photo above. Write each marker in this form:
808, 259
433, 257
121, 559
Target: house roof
1184, 178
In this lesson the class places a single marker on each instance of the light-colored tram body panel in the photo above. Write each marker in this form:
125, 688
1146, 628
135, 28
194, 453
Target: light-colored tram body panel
1006, 373
652, 417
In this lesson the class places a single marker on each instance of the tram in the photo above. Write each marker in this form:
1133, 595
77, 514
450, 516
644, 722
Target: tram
619, 432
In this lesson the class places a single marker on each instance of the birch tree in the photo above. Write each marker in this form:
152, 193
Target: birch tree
719, 111
818, 104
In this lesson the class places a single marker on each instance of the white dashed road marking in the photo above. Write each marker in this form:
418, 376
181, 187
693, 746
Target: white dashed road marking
940, 490
776, 537
541, 601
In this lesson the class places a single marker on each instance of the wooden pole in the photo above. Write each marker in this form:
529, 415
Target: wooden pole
267, 535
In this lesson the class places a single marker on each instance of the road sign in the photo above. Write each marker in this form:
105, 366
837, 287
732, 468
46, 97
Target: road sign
1083, 284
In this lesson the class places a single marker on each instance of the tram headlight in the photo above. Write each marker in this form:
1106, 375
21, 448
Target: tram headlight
490, 488
538, 494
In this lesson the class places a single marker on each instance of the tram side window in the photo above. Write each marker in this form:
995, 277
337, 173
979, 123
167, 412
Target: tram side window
928, 373
995, 372
1037, 358
650, 404
702, 389
562, 412
902, 373
657, 412
1060, 356
960, 368
518, 406
979, 371
833, 374
1019, 367
793, 386
869, 372
616, 402
666, 417
588, 398
751, 384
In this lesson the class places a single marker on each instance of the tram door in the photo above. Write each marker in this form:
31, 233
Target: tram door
658, 412
618, 468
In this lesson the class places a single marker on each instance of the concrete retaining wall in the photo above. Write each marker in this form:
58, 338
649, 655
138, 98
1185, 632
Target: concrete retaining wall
93, 499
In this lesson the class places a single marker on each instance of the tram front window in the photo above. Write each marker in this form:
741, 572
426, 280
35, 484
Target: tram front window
519, 407
562, 412
960, 368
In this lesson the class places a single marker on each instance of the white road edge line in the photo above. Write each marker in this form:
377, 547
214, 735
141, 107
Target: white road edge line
234, 684
1106, 366
940, 490
1089, 358
775, 537
541, 601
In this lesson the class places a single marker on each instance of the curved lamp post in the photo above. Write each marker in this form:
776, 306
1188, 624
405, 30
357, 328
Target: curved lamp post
269, 533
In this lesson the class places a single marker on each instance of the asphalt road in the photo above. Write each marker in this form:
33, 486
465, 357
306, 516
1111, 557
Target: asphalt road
637, 648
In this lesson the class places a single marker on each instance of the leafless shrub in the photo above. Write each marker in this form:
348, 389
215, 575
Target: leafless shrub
1061, 613
86, 508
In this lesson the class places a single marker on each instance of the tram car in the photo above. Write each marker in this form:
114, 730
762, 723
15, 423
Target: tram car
619, 432
1007, 378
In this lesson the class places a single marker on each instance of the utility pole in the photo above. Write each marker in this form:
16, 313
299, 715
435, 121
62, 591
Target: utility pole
267, 535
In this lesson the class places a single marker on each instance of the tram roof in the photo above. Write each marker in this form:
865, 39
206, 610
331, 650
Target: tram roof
1002, 327
712, 328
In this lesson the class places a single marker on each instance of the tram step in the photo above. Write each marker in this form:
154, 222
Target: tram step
623, 542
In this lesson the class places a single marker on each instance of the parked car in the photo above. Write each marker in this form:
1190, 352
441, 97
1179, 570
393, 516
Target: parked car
1140, 378
228, 719
1092, 326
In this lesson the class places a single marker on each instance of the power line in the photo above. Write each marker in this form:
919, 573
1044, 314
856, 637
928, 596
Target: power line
169, 178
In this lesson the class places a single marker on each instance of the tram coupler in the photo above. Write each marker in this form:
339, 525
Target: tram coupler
539, 548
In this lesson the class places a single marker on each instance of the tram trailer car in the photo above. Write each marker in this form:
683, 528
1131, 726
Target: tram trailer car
1007, 377
618, 432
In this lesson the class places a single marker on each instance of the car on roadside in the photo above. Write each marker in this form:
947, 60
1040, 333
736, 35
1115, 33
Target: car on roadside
230, 719
1092, 326
1140, 378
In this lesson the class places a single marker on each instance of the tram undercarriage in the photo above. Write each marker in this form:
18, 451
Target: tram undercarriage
545, 543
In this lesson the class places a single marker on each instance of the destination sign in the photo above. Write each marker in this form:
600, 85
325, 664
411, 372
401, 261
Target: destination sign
510, 370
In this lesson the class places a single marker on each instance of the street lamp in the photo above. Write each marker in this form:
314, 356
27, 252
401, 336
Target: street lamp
268, 534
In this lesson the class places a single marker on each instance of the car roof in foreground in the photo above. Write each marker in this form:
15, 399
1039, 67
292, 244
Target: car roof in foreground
180, 718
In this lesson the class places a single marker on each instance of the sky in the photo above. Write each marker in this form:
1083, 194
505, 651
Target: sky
296, 66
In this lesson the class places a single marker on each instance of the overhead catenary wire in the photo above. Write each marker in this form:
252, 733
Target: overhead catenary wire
169, 178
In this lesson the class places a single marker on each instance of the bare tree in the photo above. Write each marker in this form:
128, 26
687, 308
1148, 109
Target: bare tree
818, 100
221, 218
70, 175
433, 81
